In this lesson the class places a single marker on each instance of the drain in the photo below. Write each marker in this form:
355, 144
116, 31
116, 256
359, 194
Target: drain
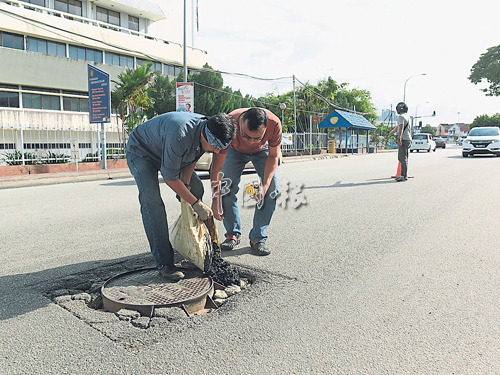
144, 289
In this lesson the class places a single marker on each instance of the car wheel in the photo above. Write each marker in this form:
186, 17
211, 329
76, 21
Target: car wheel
418, 150
464, 154
411, 150
444, 146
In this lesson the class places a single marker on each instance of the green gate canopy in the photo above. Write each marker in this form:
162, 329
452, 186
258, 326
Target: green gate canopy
341, 119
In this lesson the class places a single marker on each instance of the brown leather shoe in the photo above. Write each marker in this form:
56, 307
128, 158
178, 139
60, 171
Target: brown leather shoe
171, 272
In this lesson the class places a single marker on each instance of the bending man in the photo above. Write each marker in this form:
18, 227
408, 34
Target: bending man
172, 143
258, 139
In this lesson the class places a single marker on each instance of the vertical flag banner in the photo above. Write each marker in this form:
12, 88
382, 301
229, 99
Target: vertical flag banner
185, 97
197, 22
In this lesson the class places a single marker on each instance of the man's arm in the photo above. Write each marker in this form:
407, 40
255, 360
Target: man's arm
180, 185
215, 183
269, 170
400, 134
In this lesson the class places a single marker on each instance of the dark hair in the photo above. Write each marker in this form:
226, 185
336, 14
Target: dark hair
256, 118
223, 127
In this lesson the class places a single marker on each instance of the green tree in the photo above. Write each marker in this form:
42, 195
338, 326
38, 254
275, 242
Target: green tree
429, 129
488, 68
485, 120
131, 97
163, 96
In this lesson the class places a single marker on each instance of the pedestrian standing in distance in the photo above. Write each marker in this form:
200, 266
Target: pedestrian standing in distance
172, 143
258, 139
403, 139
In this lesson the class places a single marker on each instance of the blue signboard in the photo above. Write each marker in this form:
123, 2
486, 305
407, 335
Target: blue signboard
99, 95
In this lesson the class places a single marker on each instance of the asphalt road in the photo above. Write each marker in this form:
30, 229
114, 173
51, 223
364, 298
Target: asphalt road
369, 276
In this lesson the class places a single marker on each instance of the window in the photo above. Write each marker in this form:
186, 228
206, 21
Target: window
7, 146
9, 99
39, 101
156, 67
46, 47
9, 40
171, 70
133, 23
69, 6
82, 53
119, 60
109, 16
35, 2
75, 104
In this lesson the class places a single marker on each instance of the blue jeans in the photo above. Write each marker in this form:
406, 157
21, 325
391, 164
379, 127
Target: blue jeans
232, 170
154, 217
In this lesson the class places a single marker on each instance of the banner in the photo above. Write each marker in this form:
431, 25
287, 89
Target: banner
185, 97
287, 139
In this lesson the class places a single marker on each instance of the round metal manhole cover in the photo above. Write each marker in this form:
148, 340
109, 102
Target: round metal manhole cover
144, 289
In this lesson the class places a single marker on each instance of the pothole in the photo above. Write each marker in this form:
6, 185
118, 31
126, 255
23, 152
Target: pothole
80, 294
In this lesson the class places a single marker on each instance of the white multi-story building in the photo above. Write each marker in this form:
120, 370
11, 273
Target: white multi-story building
45, 46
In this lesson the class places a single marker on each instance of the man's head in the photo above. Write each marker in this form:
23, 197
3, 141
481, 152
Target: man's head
218, 132
401, 108
253, 124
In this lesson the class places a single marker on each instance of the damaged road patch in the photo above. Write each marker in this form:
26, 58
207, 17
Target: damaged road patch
80, 295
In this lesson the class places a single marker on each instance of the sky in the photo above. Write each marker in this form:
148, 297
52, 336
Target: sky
376, 45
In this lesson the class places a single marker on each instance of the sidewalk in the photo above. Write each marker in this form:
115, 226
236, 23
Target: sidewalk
28, 180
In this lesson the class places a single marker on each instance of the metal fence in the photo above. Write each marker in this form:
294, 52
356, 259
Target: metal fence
307, 142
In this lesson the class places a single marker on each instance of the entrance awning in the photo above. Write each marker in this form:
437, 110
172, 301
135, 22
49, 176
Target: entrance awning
341, 119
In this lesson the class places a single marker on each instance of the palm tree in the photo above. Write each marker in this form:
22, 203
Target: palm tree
131, 97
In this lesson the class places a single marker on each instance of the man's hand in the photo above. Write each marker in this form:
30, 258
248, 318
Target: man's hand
203, 211
399, 142
217, 210
261, 192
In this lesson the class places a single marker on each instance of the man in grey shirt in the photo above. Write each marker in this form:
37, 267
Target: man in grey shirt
403, 139
172, 143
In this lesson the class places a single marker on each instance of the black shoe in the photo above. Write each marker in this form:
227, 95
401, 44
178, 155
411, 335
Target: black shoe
171, 272
401, 178
230, 242
260, 247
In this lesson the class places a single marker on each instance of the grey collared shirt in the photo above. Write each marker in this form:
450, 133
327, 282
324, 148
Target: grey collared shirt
171, 140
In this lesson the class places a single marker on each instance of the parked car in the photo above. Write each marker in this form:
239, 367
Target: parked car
483, 140
422, 141
440, 142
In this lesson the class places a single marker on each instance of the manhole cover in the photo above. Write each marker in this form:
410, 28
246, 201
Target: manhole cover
144, 289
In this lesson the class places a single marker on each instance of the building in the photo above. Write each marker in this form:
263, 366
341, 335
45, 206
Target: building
452, 130
388, 118
459, 130
45, 47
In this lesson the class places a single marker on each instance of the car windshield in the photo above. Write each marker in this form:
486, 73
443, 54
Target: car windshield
483, 132
420, 136
439, 140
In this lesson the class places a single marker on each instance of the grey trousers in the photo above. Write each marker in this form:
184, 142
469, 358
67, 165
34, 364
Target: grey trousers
403, 151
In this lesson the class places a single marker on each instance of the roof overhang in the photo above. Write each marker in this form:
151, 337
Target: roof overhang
341, 119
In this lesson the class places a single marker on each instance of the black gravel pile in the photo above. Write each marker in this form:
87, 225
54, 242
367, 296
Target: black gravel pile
223, 272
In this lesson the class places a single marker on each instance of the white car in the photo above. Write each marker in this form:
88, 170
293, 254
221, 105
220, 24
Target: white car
422, 141
482, 140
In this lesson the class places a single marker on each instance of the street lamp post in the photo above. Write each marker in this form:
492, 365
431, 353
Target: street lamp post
416, 109
404, 95
282, 107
